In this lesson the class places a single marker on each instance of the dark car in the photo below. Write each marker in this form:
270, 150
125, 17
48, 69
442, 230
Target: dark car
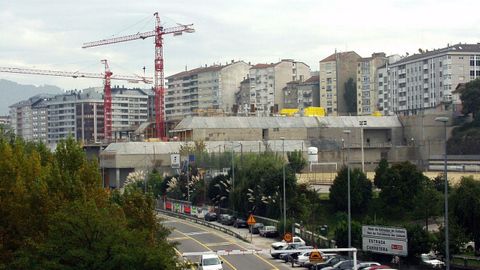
227, 220
240, 223
255, 228
330, 262
210, 216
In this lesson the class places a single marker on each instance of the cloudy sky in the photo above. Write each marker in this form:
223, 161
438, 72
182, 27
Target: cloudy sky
48, 34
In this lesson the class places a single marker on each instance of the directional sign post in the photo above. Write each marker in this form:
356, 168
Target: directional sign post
251, 221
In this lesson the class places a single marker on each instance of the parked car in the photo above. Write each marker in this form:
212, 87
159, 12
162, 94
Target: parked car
227, 220
254, 229
221, 217
329, 262
290, 246
240, 223
302, 259
342, 265
295, 239
268, 231
210, 216
290, 257
364, 265
431, 260
210, 262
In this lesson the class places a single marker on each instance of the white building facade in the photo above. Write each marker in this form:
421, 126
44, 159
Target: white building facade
425, 81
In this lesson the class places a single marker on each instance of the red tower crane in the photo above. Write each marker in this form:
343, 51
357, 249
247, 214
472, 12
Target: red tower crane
107, 77
158, 33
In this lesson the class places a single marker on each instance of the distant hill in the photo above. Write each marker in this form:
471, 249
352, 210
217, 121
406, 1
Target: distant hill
12, 92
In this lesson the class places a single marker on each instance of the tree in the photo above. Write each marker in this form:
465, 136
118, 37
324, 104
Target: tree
465, 206
401, 183
470, 97
296, 161
341, 234
419, 240
360, 191
350, 96
427, 201
380, 173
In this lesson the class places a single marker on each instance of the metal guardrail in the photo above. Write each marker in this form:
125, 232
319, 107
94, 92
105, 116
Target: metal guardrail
204, 223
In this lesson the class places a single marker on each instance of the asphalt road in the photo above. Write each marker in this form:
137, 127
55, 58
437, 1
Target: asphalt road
193, 238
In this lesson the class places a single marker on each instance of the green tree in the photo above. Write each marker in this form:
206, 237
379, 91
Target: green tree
380, 173
341, 234
360, 191
427, 201
470, 97
350, 96
419, 240
296, 161
466, 208
401, 183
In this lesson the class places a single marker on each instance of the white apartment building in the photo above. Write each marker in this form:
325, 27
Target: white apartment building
28, 118
129, 109
426, 80
267, 82
368, 82
201, 89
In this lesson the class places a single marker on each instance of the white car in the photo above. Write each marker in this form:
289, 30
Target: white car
296, 239
431, 260
210, 262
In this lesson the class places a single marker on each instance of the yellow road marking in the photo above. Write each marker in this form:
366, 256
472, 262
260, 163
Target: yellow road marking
214, 232
227, 262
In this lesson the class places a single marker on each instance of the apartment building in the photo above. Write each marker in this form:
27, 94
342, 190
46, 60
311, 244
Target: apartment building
302, 94
426, 80
28, 118
242, 97
129, 109
368, 82
335, 71
209, 87
268, 80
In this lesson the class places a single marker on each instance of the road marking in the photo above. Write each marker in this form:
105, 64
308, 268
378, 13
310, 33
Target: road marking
214, 232
218, 244
196, 233
177, 238
202, 244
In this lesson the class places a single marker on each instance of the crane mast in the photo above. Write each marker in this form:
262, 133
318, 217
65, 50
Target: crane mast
107, 77
159, 77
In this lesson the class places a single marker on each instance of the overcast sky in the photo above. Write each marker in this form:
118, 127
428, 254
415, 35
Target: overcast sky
48, 34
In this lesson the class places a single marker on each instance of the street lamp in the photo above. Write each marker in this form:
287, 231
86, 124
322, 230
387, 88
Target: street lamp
444, 120
284, 189
347, 131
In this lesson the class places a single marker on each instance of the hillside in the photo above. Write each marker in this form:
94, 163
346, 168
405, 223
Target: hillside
13, 92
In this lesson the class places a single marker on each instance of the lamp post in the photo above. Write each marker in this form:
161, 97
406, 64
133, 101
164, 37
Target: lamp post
444, 120
284, 189
347, 131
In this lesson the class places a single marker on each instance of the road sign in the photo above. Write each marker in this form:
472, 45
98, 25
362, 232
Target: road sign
175, 161
315, 256
251, 220
288, 237
386, 240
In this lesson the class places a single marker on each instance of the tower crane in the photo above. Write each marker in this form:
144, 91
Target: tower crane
107, 77
158, 33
